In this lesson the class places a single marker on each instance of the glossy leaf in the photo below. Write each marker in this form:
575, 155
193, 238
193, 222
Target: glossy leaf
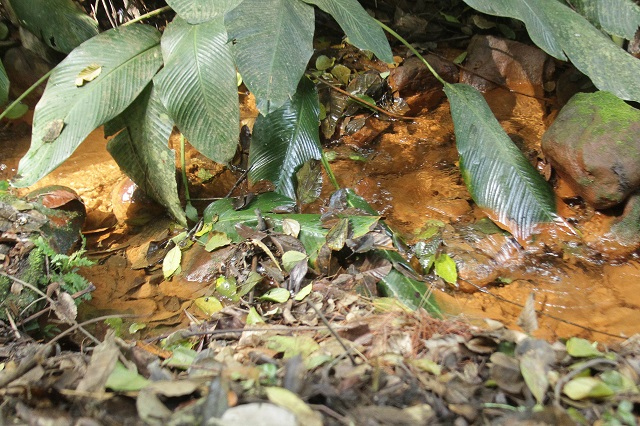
61, 24
498, 176
4, 85
617, 17
362, 30
558, 30
129, 57
198, 86
285, 139
445, 268
273, 42
142, 152
199, 11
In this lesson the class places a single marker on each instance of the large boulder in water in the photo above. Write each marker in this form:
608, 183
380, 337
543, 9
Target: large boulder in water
594, 144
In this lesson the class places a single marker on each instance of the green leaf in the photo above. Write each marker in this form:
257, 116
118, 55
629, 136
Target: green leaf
17, 111
304, 292
445, 268
558, 30
60, 24
141, 150
129, 57
273, 44
498, 176
581, 348
617, 17
285, 139
362, 30
217, 240
586, 387
278, 295
122, 379
198, 86
209, 305
199, 11
4, 85
182, 358
253, 317
171, 262
291, 259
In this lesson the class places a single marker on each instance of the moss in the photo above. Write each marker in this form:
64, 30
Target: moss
32, 269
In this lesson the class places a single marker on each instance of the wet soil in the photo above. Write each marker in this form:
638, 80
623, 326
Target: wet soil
409, 173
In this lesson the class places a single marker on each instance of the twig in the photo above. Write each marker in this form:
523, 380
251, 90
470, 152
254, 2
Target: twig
333, 333
13, 324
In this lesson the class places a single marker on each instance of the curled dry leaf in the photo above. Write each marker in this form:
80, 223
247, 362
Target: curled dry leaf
65, 308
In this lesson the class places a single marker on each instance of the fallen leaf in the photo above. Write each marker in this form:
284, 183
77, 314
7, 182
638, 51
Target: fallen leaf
171, 262
289, 400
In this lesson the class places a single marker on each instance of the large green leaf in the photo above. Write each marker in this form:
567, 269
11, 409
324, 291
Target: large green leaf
498, 176
618, 17
4, 85
198, 86
128, 58
273, 42
61, 24
199, 11
141, 150
557, 30
362, 30
285, 139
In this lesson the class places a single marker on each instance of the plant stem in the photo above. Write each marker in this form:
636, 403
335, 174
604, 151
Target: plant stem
412, 49
147, 15
26, 93
184, 170
327, 168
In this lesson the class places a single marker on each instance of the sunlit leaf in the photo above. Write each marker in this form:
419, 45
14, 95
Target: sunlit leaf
129, 56
581, 348
253, 317
292, 402
60, 24
198, 86
498, 176
291, 259
445, 268
586, 387
142, 152
304, 292
199, 11
285, 139
273, 42
226, 287
558, 30
171, 262
291, 227
217, 240
278, 295
358, 25
208, 305
136, 326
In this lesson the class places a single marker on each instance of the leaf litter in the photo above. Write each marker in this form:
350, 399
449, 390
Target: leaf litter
287, 333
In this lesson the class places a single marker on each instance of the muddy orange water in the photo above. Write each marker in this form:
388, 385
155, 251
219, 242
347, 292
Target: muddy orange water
409, 174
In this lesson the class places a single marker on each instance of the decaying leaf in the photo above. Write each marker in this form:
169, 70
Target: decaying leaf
65, 308
88, 74
528, 319
53, 130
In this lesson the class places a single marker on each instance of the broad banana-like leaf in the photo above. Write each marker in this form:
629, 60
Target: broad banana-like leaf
285, 139
273, 42
199, 11
362, 30
125, 59
4, 85
198, 86
617, 17
558, 30
141, 149
498, 176
61, 24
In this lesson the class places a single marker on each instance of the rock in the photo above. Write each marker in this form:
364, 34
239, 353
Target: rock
594, 144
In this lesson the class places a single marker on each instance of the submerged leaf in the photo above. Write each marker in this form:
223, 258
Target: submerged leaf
498, 176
